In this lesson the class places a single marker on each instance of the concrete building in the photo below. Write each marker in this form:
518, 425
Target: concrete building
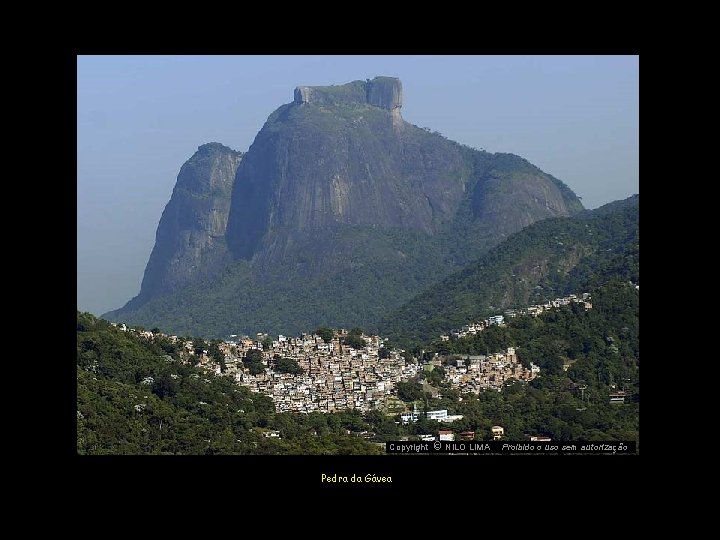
439, 415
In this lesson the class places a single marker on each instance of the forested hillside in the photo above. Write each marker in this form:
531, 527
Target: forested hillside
136, 396
583, 355
548, 259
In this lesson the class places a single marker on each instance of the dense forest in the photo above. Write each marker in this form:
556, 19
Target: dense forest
548, 259
583, 356
145, 396
135, 396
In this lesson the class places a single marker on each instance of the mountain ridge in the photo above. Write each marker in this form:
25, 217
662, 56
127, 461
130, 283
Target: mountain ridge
339, 198
550, 258
190, 238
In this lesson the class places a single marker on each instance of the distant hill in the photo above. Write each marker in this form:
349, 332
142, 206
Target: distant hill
338, 212
547, 259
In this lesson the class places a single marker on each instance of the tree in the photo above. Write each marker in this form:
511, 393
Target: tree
253, 356
384, 353
253, 361
409, 391
325, 333
436, 376
287, 365
256, 368
164, 386
215, 353
375, 418
354, 341
200, 345
352, 420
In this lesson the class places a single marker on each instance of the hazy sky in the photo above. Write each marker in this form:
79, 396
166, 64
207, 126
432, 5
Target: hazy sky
139, 118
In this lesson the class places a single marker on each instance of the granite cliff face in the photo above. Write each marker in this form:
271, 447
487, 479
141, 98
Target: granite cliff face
336, 157
339, 211
383, 92
317, 165
190, 239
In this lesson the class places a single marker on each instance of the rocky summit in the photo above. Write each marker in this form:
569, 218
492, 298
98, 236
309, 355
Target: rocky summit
190, 239
339, 211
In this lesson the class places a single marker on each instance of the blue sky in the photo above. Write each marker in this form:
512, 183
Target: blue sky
139, 118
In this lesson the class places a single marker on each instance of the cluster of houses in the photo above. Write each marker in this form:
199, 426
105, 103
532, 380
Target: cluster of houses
534, 310
475, 373
335, 375
498, 432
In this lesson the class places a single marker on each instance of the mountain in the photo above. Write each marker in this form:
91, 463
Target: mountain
339, 211
548, 259
190, 240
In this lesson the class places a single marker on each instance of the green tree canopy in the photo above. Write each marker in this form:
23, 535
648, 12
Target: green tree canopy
287, 365
325, 333
354, 341
409, 391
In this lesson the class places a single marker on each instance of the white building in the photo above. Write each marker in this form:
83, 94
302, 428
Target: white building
437, 415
